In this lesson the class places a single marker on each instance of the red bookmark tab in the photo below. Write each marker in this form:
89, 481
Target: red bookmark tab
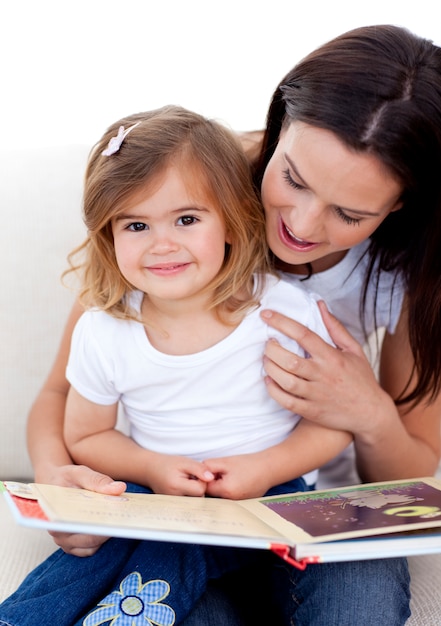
29, 508
284, 552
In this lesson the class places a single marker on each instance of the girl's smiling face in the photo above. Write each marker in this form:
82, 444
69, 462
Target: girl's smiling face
170, 242
321, 198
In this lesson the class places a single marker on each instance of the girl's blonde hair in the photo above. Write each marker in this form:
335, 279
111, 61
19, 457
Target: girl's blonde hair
210, 157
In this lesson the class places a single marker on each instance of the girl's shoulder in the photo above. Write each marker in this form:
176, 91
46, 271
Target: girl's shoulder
289, 298
99, 322
279, 287
296, 303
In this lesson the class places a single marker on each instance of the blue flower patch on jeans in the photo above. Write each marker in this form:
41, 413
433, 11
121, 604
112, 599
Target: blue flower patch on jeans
134, 604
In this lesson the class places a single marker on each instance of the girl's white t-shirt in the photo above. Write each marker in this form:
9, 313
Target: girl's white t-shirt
214, 403
209, 404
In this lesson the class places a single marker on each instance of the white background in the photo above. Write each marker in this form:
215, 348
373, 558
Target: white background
69, 69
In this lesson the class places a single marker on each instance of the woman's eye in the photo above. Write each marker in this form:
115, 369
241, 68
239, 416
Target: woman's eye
187, 220
137, 227
290, 180
349, 220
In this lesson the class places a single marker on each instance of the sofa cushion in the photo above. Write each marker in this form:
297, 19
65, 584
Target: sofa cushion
40, 197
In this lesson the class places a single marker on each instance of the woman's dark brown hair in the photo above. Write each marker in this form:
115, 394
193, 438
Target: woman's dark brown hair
378, 88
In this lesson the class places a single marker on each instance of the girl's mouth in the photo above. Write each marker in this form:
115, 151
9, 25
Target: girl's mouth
164, 269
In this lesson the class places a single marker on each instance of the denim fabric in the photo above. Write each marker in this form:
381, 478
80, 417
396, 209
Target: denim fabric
133, 581
354, 593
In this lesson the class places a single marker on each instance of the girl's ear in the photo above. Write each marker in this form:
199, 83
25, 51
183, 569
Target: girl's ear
228, 237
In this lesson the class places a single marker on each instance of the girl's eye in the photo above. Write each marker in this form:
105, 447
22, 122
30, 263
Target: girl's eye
187, 220
137, 227
290, 180
349, 220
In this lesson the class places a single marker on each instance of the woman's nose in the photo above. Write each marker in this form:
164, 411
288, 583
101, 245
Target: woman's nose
305, 219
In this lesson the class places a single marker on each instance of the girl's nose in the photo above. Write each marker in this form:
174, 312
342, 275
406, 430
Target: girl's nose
162, 242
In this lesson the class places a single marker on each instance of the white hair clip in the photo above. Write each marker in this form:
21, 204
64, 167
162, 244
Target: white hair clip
115, 142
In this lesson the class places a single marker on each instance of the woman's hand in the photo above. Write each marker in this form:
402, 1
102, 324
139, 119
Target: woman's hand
82, 477
335, 387
78, 545
85, 478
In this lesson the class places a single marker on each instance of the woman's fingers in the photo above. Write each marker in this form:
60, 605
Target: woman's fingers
306, 338
78, 545
331, 386
286, 361
86, 478
287, 398
339, 334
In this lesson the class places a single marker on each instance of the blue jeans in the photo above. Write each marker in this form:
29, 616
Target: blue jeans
361, 593
131, 581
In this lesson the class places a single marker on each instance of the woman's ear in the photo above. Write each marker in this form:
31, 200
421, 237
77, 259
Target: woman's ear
397, 206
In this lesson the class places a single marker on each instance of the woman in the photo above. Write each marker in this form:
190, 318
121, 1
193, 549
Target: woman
349, 174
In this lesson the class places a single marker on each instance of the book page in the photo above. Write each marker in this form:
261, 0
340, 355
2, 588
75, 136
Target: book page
178, 514
357, 511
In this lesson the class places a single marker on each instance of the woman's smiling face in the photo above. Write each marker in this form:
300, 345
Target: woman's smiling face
321, 198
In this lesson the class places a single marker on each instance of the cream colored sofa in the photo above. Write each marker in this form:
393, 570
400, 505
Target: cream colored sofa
40, 198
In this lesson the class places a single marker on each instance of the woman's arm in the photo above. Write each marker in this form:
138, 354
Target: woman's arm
49, 456
406, 441
45, 423
337, 388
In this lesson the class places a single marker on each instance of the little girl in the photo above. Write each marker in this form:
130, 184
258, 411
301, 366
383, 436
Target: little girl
174, 276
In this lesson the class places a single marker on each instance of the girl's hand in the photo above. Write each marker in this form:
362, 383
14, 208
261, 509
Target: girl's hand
177, 475
238, 477
334, 387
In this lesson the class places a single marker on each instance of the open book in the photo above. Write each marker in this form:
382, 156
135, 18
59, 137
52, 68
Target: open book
375, 520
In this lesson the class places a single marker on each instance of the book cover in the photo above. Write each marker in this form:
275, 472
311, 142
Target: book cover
373, 520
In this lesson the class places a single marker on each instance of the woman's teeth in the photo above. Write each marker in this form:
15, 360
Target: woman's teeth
300, 242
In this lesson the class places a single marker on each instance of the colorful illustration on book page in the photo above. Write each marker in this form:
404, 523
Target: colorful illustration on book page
359, 509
